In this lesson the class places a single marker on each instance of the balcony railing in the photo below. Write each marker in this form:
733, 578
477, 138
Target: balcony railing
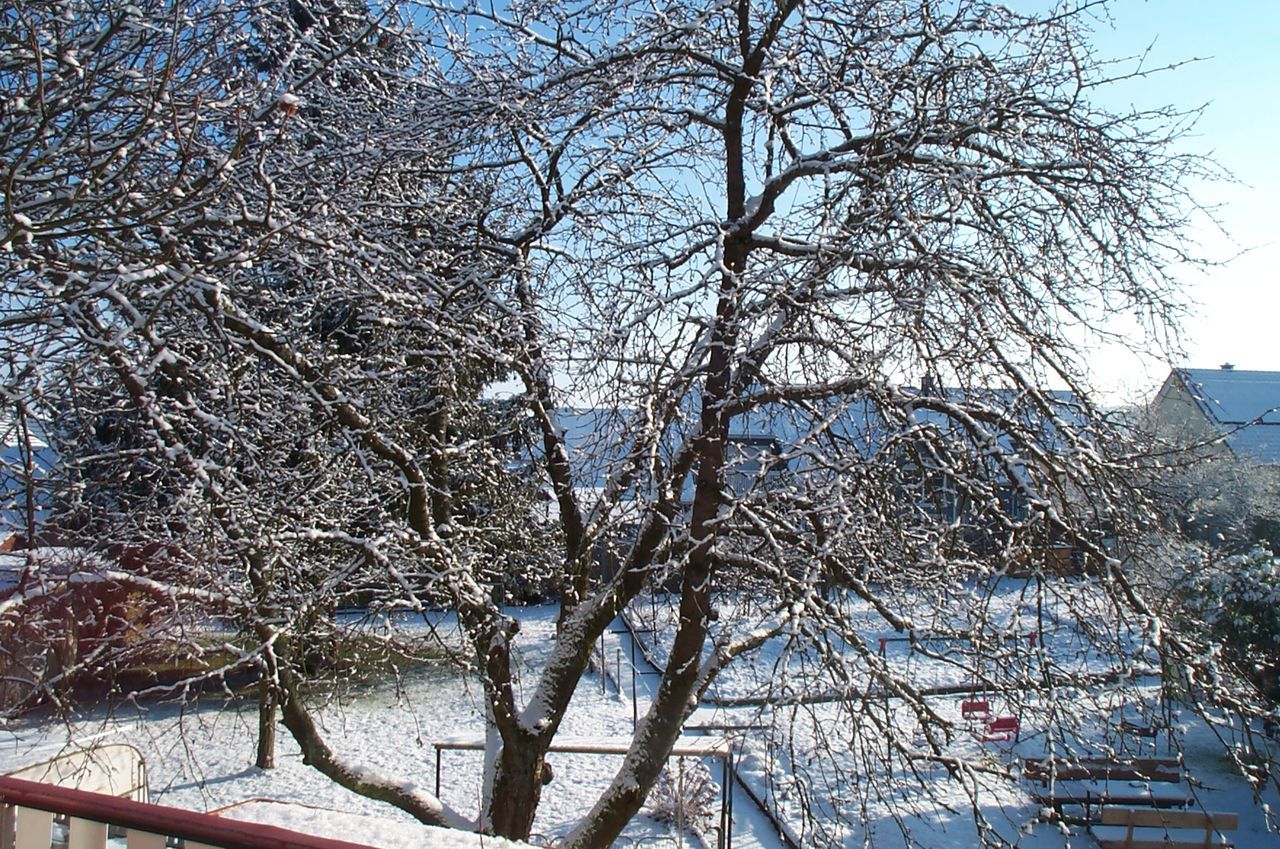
28, 810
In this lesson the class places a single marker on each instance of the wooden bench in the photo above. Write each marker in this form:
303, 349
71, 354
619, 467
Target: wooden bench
1137, 729
1091, 795
1092, 783
1149, 828
1136, 769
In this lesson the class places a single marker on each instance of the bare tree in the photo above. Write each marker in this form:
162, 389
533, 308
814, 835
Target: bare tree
706, 221
771, 211
221, 266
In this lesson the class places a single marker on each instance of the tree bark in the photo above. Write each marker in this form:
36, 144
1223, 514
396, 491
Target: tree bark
517, 789
266, 757
677, 693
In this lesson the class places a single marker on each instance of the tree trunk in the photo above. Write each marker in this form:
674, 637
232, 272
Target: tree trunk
266, 758
29, 474
517, 789
677, 696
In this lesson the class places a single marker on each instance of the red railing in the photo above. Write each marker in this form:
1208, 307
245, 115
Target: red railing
17, 794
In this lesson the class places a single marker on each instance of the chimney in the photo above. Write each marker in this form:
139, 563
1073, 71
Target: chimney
1227, 366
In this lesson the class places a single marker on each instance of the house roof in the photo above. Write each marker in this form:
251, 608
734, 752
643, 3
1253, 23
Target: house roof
1244, 405
597, 439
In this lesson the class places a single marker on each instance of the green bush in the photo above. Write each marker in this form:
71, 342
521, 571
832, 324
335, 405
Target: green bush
1240, 604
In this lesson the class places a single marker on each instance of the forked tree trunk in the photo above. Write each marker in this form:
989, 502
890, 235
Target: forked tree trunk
676, 698
517, 790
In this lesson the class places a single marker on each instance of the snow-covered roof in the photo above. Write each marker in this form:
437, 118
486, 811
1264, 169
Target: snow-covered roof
11, 434
11, 568
56, 562
14, 456
597, 439
1244, 405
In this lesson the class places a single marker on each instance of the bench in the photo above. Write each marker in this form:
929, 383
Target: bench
1136, 729
1092, 783
1090, 795
1167, 770
1149, 828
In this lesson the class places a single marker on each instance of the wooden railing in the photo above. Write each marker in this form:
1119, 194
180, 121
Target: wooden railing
28, 809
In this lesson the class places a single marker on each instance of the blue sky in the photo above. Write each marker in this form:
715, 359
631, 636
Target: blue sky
1238, 81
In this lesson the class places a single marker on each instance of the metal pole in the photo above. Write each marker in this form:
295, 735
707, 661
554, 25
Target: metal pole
604, 665
728, 831
724, 803
635, 711
617, 669
437, 772
680, 802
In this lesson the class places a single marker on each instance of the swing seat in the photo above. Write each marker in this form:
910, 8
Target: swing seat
1002, 728
975, 709
1137, 729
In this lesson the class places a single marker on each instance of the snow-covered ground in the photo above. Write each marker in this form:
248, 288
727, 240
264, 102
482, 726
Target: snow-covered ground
858, 793
831, 776
1029, 628
200, 756
861, 791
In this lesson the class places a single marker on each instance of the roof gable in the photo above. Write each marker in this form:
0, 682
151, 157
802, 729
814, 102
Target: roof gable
1244, 405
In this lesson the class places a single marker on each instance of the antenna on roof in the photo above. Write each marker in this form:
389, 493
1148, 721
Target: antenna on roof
1227, 366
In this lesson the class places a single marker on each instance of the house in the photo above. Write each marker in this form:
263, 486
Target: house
971, 481
1226, 423
1222, 410
26, 465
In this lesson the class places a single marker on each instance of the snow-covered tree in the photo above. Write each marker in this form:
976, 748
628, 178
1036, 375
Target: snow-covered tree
193, 229
1238, 599
1227, 502
298, 251
767, 218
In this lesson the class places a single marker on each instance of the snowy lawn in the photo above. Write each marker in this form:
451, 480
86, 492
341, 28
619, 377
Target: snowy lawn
855, 790
831, 776
200, 756
1028, 627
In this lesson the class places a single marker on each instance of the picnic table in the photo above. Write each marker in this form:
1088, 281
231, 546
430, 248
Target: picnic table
1167, 770
1094, 793
1093, 782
